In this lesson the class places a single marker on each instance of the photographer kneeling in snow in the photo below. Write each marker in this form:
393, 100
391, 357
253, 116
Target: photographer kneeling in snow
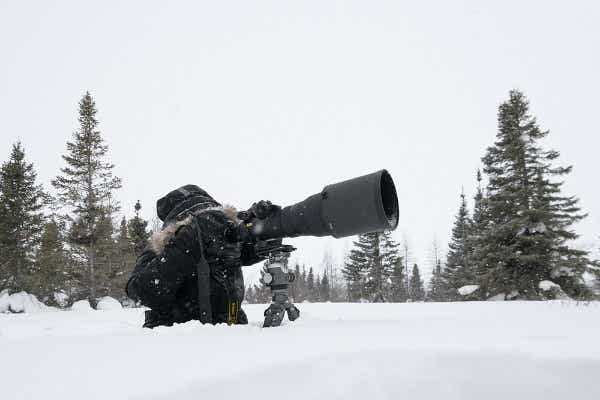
189, 269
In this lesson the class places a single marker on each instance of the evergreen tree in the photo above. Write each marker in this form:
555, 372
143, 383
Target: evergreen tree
324, 292
376, 274
529, 228
458, 270
138, 231
310, 285
50, 278
295, 285
249, 296
479, 224
417, 291
85, 187
303, 284
398, 290
21, 220
356, 267
369, 267
437, 288
124, 263
105, 256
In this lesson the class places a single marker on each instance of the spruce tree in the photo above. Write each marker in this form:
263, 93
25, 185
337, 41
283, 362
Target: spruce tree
370, 265
458, 271
105, 256
417, 291
249, 296
295, 285
376, 273
85, 187
530, 220
398, 290
51, 272
310, 286
437, 288
21, 220
138, 230
124, 261
356, 267
325, 289
479, 224
303, 285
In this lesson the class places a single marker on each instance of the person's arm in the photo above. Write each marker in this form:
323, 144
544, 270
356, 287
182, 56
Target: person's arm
162, 267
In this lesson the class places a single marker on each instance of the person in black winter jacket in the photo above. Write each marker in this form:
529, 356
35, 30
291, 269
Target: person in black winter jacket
165, 277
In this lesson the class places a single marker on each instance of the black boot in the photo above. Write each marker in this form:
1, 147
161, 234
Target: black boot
155, 318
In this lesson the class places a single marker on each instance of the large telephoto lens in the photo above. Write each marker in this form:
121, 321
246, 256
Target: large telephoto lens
360, 205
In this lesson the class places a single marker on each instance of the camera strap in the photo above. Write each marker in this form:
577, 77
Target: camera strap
203, 275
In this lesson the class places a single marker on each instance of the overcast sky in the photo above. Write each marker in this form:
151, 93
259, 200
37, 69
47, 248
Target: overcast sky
274, 100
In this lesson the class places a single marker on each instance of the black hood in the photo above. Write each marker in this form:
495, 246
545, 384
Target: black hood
185, 198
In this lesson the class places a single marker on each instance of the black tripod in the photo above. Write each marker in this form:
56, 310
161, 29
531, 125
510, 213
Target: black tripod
278, 279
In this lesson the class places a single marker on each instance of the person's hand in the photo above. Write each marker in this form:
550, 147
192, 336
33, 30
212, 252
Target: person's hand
213, 226
260, 210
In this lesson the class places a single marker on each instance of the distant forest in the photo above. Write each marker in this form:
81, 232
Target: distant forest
514, 243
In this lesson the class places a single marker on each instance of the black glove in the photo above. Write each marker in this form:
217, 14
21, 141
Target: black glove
260, 210
213, 226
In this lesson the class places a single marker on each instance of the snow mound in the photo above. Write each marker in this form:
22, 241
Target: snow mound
108, 303
548, 285
498, 297
552, 290
82, 305
21, 302
467, 290
61, 298
4, 304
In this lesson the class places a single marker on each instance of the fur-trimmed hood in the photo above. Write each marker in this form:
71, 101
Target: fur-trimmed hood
159, 240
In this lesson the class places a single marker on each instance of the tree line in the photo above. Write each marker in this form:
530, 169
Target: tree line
515, 242
67, 247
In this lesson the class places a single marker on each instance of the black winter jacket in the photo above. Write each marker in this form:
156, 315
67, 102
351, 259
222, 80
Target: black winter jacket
164, 278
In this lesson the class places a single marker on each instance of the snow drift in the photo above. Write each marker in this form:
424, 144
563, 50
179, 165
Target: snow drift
21, 302
468, 350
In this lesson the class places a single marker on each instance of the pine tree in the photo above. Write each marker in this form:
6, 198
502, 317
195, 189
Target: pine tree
479, 224
124, 261
417, 291
85, 187
50, 277
407, 257
249, 296
376, 274
324, 285
105, 256
303, 284
295, 285
398, 289
369, 267
21, 219
529, 228
310, 286
458, 271
437, 288
356, 267
138, 230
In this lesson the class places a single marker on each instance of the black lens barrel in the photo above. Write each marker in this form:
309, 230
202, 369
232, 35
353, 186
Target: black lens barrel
364, 204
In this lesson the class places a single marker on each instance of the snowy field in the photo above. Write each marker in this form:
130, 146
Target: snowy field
500, 350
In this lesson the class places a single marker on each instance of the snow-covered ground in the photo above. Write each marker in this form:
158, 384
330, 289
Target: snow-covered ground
494, 350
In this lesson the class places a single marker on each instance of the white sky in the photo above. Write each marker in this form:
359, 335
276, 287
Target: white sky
276, 99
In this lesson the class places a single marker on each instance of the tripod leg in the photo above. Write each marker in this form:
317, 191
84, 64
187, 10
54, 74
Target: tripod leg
274, 315
292, 312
